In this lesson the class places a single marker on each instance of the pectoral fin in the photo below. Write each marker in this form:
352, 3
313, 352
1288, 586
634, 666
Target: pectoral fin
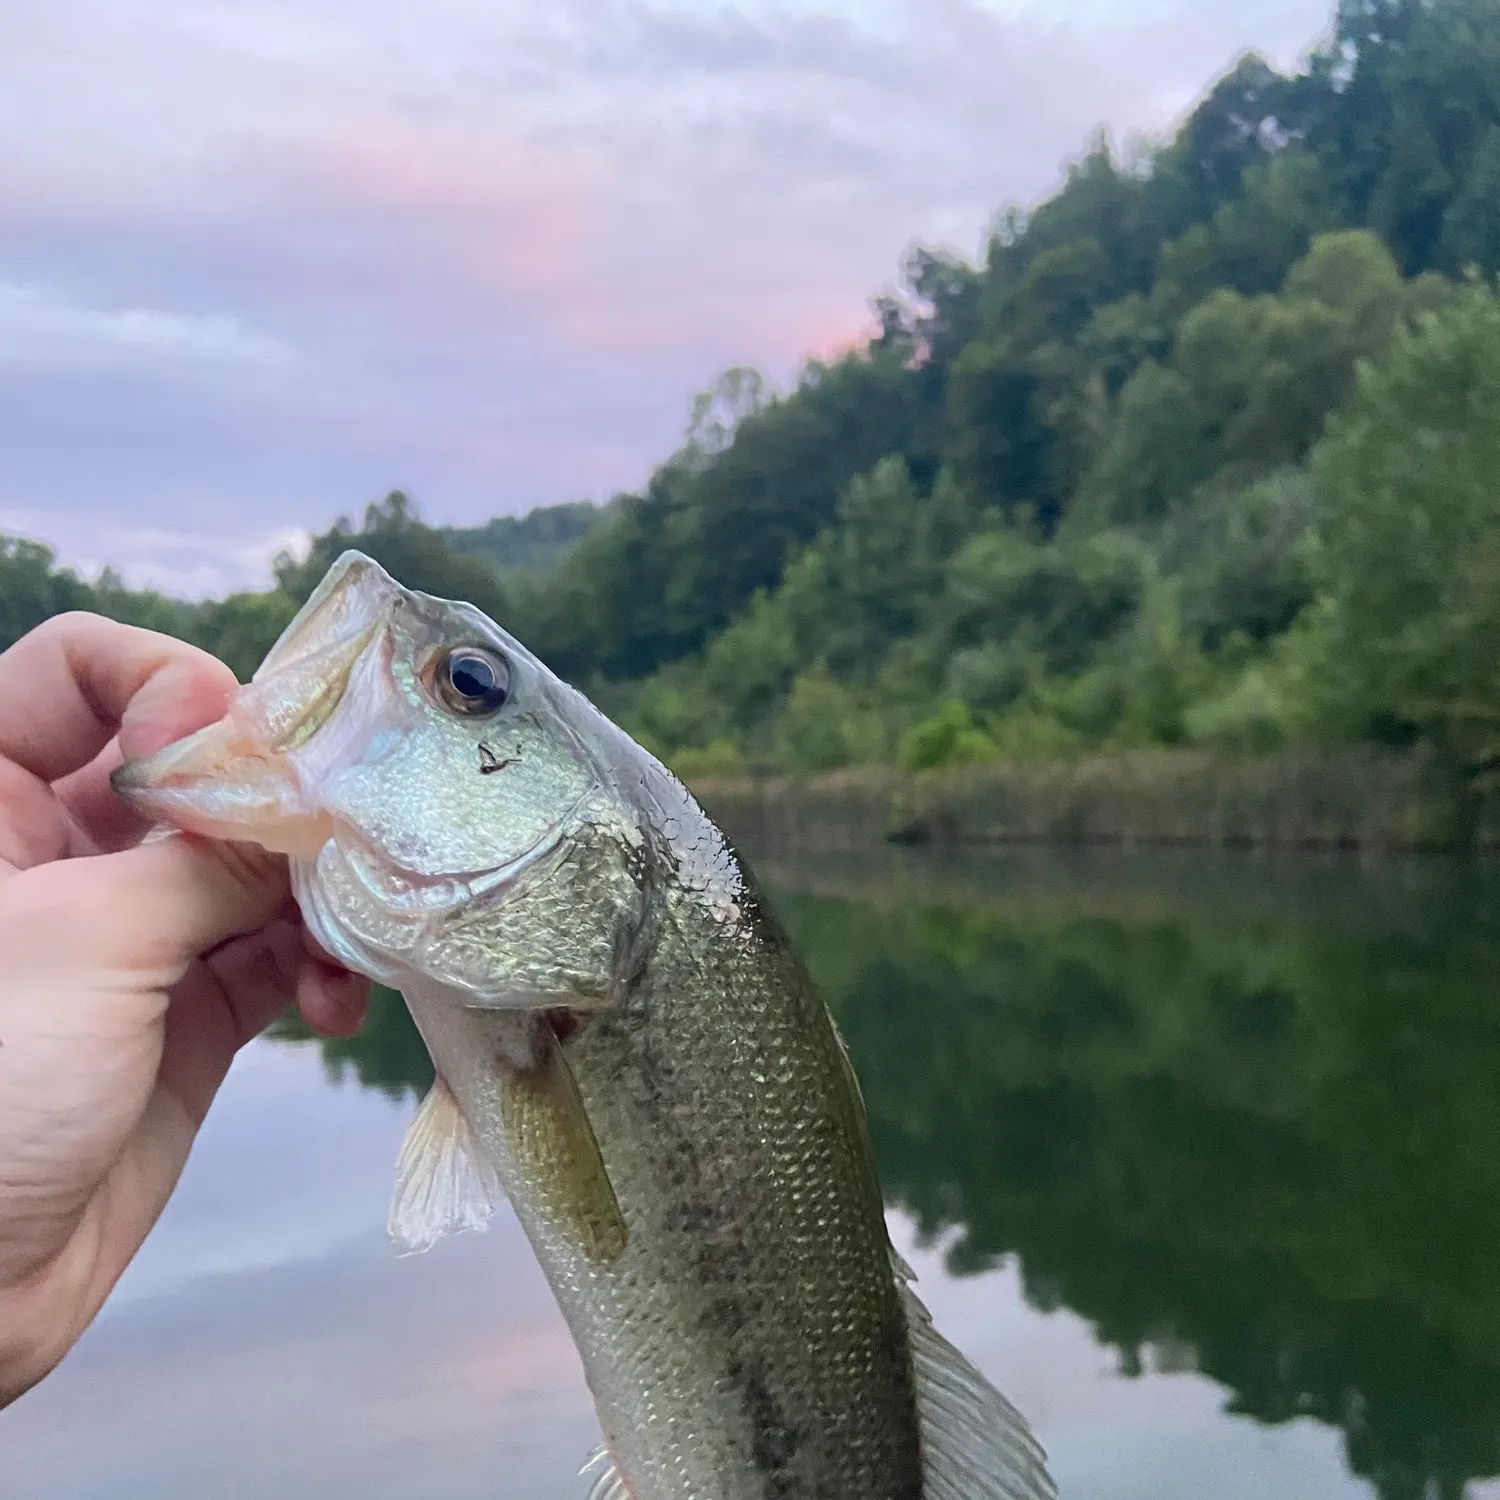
553, 1143
975, 1444
443, 1182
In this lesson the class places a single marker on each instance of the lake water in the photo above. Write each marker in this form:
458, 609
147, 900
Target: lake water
1198, 1157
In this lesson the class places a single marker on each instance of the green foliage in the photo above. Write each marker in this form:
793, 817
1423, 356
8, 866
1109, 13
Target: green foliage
1409, 530
749, 666
949, 738
536, 544
32, 589
1249, 385
998, 445
394, 535
1159, 449
1058, 599
1259, 712
877, 570
1471, 229
722, 758
1244, 559
1254, 238
825, 724
241, 629
1162, 672
675, 564
670, 712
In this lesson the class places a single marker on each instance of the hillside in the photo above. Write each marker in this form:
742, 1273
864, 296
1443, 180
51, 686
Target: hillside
537, 543
1201, 452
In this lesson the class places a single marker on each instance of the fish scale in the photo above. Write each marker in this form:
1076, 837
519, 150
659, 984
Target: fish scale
754, 1298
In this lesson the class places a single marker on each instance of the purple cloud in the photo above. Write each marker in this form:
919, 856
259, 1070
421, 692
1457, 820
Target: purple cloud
259, 263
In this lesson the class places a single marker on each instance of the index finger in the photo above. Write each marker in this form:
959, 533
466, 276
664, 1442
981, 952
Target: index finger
69, 686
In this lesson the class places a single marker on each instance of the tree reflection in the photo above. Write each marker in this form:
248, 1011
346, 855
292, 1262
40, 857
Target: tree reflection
388, 1054
1258, 1137
1274, 1155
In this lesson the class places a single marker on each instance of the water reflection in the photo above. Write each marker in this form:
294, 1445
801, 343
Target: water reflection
1244, 1119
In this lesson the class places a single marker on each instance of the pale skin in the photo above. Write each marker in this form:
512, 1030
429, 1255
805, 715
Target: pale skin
130, 973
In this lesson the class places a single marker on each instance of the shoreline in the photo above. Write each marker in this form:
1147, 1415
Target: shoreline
1323, 800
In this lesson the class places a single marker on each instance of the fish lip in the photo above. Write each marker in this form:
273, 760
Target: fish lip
299, 688
128, 778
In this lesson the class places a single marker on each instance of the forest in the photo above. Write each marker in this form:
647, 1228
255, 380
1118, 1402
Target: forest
1204, 452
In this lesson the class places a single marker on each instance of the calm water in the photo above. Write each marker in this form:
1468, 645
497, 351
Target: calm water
1198, 1157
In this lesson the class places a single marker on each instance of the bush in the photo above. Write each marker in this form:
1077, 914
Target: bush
722, 759
671, 710
824, 725
1253, 715
1409, 532
949, 738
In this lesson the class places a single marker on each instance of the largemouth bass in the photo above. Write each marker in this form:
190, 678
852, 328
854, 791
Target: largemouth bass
626, 1047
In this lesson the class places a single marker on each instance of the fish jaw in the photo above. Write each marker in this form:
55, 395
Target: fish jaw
215, 784
253, 775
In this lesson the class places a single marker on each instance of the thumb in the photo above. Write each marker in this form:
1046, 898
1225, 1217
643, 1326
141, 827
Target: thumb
150, 910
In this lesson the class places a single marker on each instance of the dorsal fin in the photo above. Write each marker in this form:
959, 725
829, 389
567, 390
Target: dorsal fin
975, 1444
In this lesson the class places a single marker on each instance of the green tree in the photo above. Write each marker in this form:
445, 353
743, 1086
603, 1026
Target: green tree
416, 554
1060, 600
749, 666
997, 445
676, 564
878, 573
536, 544
1244, 559
949, 738
1160, 448
824, 725
32, 589
1409, 523
1471, 226
1253, 239
1249, 386
241, 629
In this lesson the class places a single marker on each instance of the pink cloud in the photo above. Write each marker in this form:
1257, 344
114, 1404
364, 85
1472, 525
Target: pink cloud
507, 243
470, 198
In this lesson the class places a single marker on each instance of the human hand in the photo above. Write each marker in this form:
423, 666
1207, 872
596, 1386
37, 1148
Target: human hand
130, 972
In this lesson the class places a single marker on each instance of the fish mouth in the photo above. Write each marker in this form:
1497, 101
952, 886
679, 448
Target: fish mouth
240, 778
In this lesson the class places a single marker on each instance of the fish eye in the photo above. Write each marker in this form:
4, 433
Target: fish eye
471, 682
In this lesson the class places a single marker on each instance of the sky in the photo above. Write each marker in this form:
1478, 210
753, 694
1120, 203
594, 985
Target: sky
262, 261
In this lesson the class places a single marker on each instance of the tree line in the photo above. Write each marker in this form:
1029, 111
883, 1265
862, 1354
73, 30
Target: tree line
1201, 452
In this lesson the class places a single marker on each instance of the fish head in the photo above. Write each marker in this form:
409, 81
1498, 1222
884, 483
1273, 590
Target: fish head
428, 776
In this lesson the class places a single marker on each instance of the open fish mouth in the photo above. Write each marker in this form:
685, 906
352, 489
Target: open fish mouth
252, 775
